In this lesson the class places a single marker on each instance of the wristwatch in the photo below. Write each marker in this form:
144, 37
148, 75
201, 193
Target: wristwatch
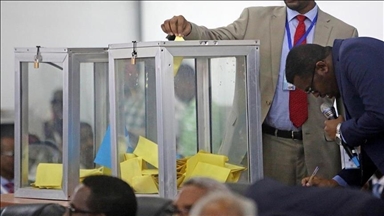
338, 138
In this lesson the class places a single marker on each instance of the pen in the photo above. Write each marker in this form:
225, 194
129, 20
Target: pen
313, 174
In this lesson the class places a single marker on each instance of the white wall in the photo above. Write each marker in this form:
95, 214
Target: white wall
97, 24
61, 24
366, 16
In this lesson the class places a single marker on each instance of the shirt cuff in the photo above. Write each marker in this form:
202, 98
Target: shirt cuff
340, 181
341, 135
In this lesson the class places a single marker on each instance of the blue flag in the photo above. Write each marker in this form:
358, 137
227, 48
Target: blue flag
103, 156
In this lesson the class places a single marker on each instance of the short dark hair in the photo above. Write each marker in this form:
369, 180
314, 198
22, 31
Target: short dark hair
185, 72
7, 130
301, 60
110, 195
57, 97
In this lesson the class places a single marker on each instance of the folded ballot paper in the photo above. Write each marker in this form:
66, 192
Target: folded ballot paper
145, 180
177, 59
50, 175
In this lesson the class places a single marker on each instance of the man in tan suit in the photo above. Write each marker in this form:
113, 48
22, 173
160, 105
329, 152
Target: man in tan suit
285, 158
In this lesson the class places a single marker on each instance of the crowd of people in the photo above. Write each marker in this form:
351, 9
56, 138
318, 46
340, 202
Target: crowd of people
308, 58
201, 196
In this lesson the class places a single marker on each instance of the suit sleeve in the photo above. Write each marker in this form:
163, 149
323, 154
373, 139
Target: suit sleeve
234, 31
364, 68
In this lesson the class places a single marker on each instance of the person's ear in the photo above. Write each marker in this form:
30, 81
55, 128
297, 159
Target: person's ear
321, 67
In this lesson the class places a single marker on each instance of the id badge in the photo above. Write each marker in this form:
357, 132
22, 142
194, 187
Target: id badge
287, 86
346, 163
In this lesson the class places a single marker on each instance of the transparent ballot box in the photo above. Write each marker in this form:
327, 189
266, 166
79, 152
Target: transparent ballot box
61, 115
181, 109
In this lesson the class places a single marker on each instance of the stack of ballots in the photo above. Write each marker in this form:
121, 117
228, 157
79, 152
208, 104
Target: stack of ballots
135, 171
140, 169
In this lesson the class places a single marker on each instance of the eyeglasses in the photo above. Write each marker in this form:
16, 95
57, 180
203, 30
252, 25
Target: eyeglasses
311, 89
173, 210
73, 210
8, 153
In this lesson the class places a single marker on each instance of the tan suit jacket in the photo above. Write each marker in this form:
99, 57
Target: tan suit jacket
267, 24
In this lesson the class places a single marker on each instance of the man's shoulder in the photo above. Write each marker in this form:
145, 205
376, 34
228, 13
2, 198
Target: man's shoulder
263, 11
359, 44
335, 21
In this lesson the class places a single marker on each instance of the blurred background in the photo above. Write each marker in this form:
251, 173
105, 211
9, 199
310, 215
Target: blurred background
97, 24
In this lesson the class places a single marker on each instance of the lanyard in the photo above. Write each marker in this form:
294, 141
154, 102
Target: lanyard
290, 45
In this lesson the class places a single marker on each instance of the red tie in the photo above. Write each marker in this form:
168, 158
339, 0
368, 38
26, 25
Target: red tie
10, 187
298, 104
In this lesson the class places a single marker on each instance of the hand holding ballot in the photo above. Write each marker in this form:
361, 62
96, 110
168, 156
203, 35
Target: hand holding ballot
177, 26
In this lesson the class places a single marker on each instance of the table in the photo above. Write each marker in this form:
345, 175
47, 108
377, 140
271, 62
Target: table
9, 199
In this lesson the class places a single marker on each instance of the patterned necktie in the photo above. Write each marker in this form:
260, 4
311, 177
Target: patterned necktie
298, 104
10, 187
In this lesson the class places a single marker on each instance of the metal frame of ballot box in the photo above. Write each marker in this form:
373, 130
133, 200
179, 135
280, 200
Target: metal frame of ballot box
160, 89
67, 61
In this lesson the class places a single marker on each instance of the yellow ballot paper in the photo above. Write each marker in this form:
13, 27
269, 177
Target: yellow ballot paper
130, 168
49, 175
201, 156
211, 171
177, 59
88, 172
235, 174
129, 156
106, 171
180, 180
147, 150
144, 184
150, 172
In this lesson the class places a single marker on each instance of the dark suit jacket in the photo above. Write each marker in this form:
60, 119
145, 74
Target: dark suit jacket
274, 198
359, 69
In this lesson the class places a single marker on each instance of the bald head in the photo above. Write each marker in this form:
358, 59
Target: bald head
224, 204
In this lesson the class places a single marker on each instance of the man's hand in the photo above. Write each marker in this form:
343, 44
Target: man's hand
330, 126
320, 182
177, 26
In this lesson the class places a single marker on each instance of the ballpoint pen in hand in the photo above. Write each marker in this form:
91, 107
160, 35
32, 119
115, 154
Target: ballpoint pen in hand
313, 175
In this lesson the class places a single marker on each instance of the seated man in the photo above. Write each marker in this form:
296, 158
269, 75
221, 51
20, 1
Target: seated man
104, 196
7, 145
224, 204
194, 189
